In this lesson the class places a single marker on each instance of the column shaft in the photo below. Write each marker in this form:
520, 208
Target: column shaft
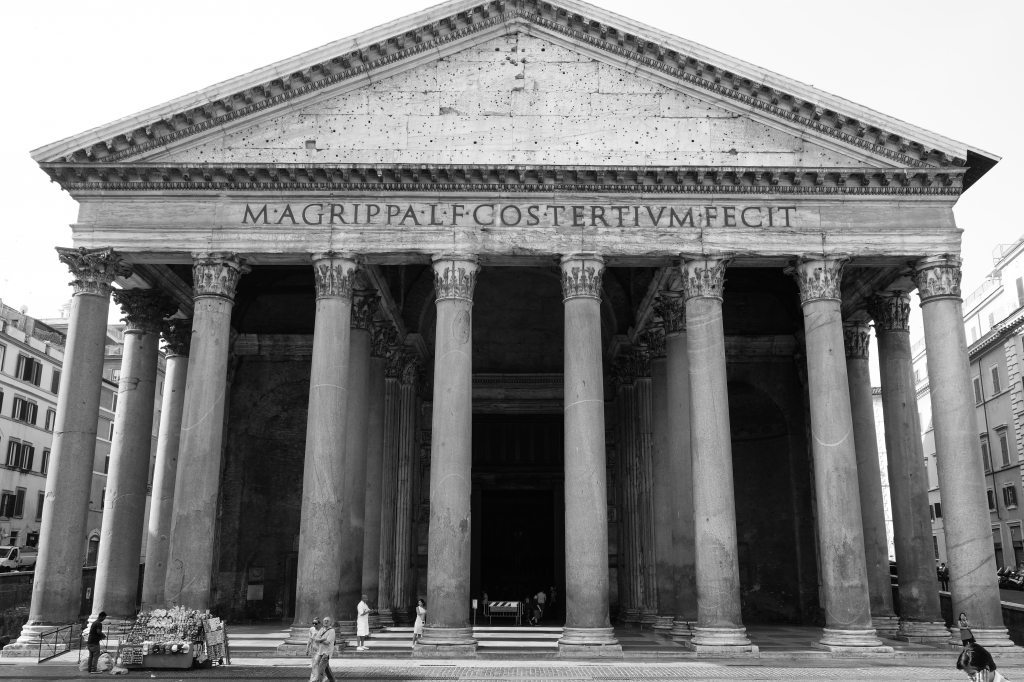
840, 534
587, 631
117, 564
662, 494
193, 529
374, 476
719, 621
166, 467
645, 508
389, 485
876, 545
920, 615
57, 583
448, 552
405, 597
961, 476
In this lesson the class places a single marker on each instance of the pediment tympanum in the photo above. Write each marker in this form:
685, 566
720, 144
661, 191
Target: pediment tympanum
514, 99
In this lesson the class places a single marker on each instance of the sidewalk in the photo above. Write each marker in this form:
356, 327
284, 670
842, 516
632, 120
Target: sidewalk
785, 653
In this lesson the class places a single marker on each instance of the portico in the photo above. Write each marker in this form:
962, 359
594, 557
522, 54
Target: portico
647, 259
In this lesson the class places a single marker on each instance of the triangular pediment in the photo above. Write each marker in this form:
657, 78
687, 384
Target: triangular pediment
516, 82
513, 99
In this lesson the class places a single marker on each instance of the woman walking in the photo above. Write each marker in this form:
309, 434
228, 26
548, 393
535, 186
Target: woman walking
417, 627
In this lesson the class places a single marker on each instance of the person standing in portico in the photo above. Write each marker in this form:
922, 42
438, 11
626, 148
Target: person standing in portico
362, 623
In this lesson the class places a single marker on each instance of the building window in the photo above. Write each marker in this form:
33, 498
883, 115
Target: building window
19, 455
39, 504
1, 399
24, 410
113, 401
938, 510
995, 380
997, 542
7, 501
1020, 291
986, 458
19, 503
935, 544
44, 466
1017, 541
51, 419
991, 500
55, 382
978, 395
3, 354
1010, 496
106, 464
110, 431
115, 375
93, 550
1004, 446
29, 369
103, 497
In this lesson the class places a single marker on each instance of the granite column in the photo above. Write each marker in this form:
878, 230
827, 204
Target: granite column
57, 583
447, 630
971, 558
862, 411
389, 486
588, 631
663, 497
193, 528
177, 334
920, 614
405, 509
840, 534
382, 336
124, 508
719, 628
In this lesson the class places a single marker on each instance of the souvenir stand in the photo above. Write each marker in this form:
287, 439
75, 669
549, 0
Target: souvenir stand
174, 638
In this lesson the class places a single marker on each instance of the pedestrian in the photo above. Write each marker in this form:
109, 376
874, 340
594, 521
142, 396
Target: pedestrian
311, 640
943, 577
977, 663
362, 623
323, 648
966, 636
93, 642
542, 600
417, 627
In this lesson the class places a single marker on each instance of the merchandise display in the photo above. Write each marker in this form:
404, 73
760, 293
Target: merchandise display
174, 638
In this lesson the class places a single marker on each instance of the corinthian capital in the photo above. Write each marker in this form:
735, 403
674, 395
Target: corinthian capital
217, 274
653, 339
671, 307
144, 309
94, 269
455, 277
818, 278
382, 340
856, 338
177, 337
334, 274
891, 312
704, 276
581, 276
365, 304
938, 277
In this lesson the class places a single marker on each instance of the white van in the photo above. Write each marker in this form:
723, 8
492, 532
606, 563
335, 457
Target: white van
17, 558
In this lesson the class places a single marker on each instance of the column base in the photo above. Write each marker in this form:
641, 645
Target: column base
852, 642
297, 634
648, 618
291, 650
922, 632
682, 631
589, 643
990, 638
445, 643
885, 626
631, 617
663, 625
385, 618
721, 642
27, 645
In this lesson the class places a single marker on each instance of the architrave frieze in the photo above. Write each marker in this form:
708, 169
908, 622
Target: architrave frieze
451, 178
666, 59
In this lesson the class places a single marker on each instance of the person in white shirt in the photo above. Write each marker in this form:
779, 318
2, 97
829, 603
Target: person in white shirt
324, 641
310, 643
362, 623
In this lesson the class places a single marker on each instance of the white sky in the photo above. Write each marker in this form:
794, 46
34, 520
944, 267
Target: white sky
949, 67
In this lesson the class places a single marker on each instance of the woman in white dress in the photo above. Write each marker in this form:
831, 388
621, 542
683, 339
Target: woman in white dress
417, 627
362, 623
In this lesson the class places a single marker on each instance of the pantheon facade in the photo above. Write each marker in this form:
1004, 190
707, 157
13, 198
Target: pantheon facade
509, 295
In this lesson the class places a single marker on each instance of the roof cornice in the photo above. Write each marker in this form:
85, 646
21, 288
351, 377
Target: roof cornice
703, 180
355, 58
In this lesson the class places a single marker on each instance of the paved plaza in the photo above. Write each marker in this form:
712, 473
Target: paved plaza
784, 653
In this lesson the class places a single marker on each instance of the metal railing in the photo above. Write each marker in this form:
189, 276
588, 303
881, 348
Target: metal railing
56, 642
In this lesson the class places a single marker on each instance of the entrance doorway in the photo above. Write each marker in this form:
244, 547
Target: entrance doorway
518, 506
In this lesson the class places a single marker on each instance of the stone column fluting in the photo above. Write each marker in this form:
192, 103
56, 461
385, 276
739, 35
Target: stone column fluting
920, 614
840, 533
965, 517
447, 630
124, 508
663, 497
57, 582
719, 628
381, 338
588, 631
193, 529
403, 602
644, 500
624, 380
678, 489
856, 336
323, 502
393, 359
